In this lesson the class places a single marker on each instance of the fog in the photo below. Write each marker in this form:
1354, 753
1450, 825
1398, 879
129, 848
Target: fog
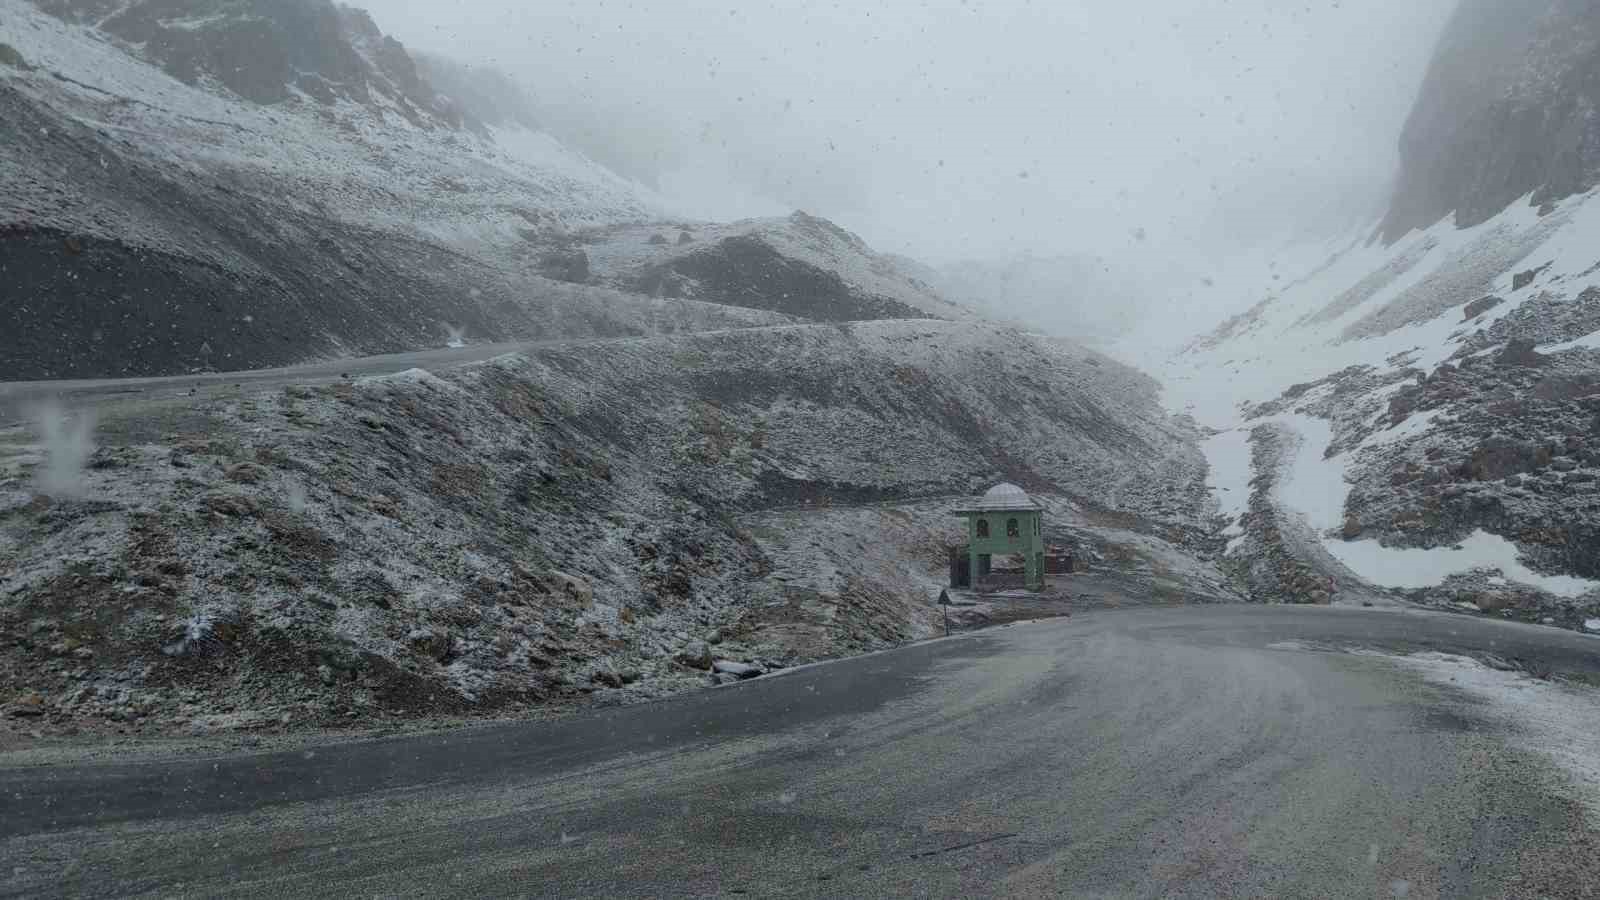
1169, 133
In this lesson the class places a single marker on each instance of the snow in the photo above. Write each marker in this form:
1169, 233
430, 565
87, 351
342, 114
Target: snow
359, 164
411, 376
1416, 424
1554, 720
1315, 488
1311, 485
1591, 624
1415, 568
625, 249
1329, 306
1229, 478
1301, 334
1587, 342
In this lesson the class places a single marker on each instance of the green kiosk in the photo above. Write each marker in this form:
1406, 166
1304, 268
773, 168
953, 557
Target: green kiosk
1004, 522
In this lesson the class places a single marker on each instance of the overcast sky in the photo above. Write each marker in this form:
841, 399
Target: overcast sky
957, 128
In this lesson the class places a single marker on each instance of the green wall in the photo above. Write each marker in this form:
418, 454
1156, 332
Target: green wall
1028, 542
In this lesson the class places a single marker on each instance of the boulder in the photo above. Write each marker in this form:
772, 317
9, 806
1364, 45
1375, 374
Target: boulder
431, 642
696, 655
28, 705
1478, 307
736, 669
246, 473
577, 588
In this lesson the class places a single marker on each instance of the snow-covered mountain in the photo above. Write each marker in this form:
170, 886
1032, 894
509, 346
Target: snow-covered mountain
596, 515
1419, 409
736, 461
800, 265
229, 184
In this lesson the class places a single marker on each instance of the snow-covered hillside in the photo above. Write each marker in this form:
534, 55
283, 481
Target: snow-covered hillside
165, 210
1414, 410
1417, 416
800, 265
591, 516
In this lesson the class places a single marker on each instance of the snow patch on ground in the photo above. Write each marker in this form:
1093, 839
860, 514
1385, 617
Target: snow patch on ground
1412, 568
1558, 721
1417, 424
1229, 478
1313, 485
1587, 342
420, 377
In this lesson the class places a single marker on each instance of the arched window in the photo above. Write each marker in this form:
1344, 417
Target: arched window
1012, 529
983, 528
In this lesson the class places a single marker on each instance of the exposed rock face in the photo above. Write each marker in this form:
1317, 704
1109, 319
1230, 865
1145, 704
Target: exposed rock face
323, 194
746, 271
484, 96
800, 265
1508, 108
263, 50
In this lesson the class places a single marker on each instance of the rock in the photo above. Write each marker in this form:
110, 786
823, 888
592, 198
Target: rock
1520, 353
577, 588
606, 676
246, 473
28, 705
432, 642
1478, 307
1352, 527
325, 674
696, 655
715, 637
569, 264
736, 669
721, 678
229, 505
9, 56
658, 240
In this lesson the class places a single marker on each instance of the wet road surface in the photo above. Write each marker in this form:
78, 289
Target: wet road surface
1182, 752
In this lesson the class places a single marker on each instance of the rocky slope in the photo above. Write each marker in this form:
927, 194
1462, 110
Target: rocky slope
192, 184
1418, 416
599, 519
800, 265
1508, 110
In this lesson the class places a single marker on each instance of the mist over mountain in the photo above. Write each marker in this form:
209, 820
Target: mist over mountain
1412, 407
765, 319
1507, 110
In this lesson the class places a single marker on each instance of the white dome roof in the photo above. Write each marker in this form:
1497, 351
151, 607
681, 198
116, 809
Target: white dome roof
1002, 498
1006, 492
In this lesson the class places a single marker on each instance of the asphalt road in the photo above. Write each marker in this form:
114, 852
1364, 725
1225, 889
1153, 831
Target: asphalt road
18, 399
1150, 752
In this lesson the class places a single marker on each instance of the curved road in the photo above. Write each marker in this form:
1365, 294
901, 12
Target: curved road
1183, 752
18, 399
